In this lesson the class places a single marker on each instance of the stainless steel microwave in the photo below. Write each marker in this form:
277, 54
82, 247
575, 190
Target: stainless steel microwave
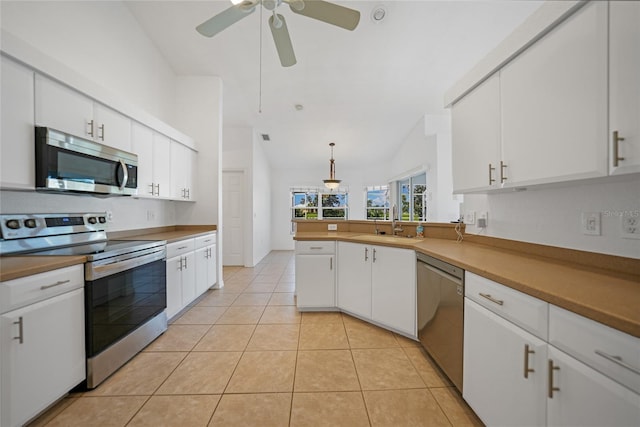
68, 163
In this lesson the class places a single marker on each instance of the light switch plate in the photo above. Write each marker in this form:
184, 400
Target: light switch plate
332, 227
590, 223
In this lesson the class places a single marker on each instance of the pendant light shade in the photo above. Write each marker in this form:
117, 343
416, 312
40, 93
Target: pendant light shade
332, 183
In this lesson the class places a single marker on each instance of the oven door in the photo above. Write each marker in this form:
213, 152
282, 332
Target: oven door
122, 296
66, 163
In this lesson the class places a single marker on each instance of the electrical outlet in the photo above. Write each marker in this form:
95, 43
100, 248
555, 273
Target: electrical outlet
332, 227
591, 223
483, 219
470, 217
630, 227
109, 216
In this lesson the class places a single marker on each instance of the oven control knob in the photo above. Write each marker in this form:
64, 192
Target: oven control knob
102, 219
30, 223
92, 220
13, 224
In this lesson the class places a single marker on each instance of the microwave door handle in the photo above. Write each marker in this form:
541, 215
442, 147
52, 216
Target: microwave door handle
125, 174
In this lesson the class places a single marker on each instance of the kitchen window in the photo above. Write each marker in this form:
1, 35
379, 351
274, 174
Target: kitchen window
412, 194
377, 202
316, 203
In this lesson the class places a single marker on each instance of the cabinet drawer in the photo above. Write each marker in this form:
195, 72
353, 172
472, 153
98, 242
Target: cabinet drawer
526, 311
315, 247
180, 248
605, 349
204, 241
28, 290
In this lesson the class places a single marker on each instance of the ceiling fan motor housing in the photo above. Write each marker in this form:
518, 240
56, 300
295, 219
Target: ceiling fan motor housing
271, 4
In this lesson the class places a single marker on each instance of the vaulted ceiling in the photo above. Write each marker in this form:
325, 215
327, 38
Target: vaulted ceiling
364, 90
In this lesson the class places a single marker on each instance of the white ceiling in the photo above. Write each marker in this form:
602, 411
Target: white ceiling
364, 90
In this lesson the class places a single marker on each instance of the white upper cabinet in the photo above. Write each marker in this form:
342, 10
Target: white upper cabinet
476, 132
64, 109
17, 167
624, 87
154, 161
554, 103
183, 163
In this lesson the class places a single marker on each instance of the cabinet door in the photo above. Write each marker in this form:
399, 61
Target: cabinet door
174, 286
354, 278
142, 145
63, 109
554, 103
162, 165
624, 84
48, 362
494, 382
178, 171
393, 288
192, 168
585, 397
315, 281
17, 167
475, 121
114, 129
205, 269
188, 278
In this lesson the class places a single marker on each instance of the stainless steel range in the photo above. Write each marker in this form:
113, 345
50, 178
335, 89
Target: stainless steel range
125, 281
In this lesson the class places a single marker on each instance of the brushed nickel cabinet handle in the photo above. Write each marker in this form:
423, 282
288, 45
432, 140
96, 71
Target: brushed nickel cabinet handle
618, 361
330, 263
58, 283
527, 352
366, 254
616, 155
552, 388
490, 298
101, 134
374, 255
152, 188
90, 132
20, 336
491, 179
158, 191
316, 248
503, 175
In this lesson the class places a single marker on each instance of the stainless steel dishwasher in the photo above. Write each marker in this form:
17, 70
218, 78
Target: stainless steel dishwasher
440, 314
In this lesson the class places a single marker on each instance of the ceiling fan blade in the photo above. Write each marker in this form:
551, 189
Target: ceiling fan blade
283, 41
327, 12
224, 19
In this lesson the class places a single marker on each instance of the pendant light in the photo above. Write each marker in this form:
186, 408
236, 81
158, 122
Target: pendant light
332, 183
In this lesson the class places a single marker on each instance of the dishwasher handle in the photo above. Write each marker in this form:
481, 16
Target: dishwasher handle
441, 273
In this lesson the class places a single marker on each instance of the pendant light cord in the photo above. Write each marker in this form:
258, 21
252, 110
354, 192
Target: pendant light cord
260, 73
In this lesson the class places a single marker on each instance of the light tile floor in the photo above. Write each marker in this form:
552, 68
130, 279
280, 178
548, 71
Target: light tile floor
244, 356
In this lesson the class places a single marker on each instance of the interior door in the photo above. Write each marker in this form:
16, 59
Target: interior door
232, 214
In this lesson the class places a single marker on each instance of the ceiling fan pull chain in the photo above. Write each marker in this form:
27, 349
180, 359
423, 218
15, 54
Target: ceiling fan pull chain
260, 73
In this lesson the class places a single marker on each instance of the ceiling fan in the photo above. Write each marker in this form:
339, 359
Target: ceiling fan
330, 13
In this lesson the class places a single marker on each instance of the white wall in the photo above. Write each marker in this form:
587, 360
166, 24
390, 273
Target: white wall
553, 216
261, 201
243, 150
100, 40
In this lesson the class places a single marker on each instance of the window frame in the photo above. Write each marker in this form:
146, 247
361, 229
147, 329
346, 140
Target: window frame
320, 210
385, 208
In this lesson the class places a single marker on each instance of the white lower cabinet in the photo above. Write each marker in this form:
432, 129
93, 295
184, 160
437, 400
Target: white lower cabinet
206, 265
181, 275
316, 275
504, 370
354, 278
42, 344
583, 374
191, 270
378, 283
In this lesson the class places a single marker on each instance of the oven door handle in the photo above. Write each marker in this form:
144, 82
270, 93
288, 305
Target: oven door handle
94, 272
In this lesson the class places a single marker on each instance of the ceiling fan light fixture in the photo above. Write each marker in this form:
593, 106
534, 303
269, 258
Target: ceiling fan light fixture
332, 183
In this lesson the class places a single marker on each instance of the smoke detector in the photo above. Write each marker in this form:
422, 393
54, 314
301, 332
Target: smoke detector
378, 13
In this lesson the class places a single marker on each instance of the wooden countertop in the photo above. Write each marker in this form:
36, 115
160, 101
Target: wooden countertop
20, 266
14, 267
597, 294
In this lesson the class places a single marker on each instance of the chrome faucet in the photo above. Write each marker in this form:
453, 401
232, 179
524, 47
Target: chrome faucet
394, 217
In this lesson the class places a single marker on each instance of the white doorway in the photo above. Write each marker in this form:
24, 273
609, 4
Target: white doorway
233, 217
